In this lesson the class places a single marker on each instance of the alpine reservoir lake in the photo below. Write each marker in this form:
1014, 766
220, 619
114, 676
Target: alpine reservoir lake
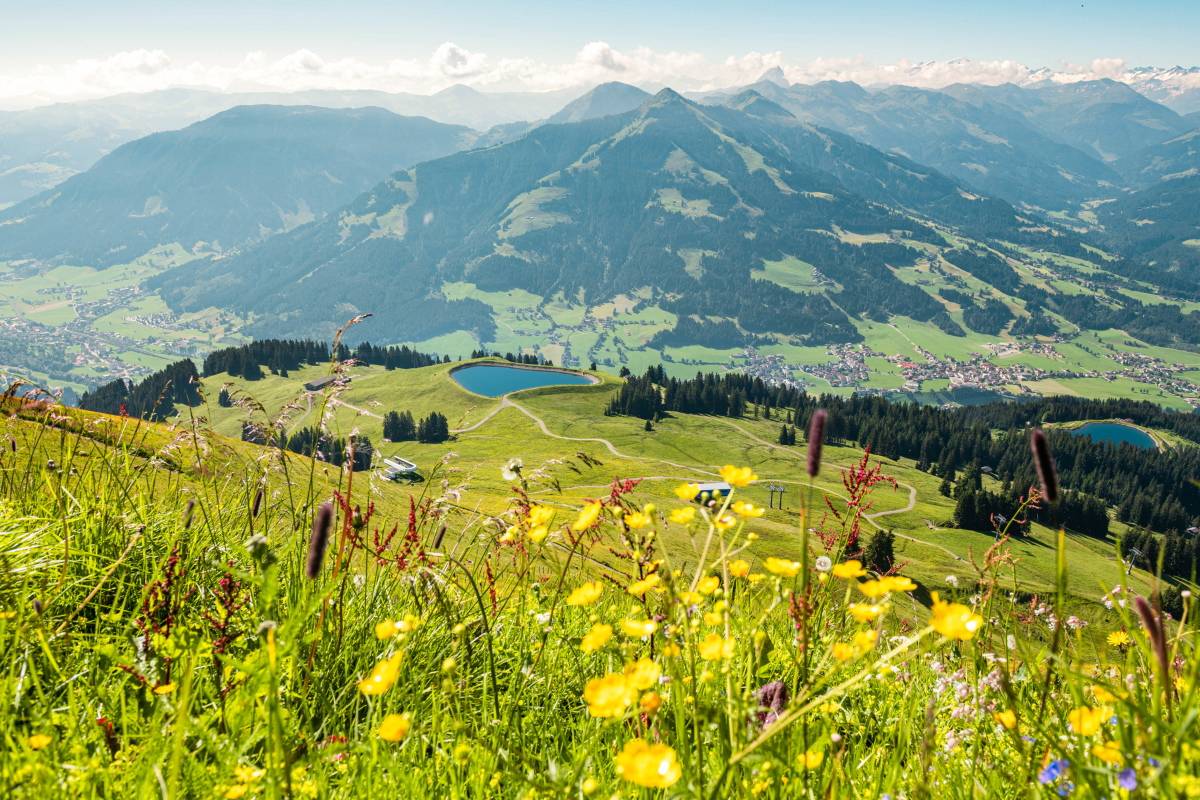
1115, 433
495, 380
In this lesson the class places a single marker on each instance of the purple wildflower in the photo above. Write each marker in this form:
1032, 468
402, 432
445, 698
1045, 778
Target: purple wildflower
1127, 779
1054, 770
772, 698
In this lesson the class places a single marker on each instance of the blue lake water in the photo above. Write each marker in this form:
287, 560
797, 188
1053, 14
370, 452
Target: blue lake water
1115, 433
494, 380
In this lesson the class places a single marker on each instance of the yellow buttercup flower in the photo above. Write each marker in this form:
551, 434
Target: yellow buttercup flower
810, 760
724, 522
540, 515
39, 741
865, 612
638, 628
637, 519
1007, 718
874, 589
687, 491
682, 516
716, 648
538, 534
382, 677
587, 516
849, 569
394, 727
738, 477
643, 673
596, 638
843, 651
653, 766
585, 594
646, 584
1086, 720
954, 620
865, 640
650, 702
609, 696
782, 566
708, 584
739, 568
747, 510
1103, 695
1109, 753
247, 774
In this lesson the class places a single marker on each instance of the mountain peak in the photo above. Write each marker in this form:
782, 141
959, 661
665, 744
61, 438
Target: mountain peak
774, 75
753, 103
604, 100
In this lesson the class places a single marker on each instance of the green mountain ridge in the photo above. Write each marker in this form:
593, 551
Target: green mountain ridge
998, 153
606, 206
229, 180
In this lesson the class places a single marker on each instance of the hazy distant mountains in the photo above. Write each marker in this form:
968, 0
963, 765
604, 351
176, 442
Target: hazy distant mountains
996, 151
41, 147
1159, 222
234, 178
1105, 119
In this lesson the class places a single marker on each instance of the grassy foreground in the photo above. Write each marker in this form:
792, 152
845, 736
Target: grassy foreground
186, 616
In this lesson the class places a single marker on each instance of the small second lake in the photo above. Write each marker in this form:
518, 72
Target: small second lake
494, 380
1115, 433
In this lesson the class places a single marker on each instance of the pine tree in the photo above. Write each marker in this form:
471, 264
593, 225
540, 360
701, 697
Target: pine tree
880, 554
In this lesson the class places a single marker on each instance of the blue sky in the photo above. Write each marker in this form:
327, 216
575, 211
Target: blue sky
72, 46
1037, 33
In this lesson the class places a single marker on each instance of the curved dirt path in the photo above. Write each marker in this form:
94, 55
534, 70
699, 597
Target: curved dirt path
507, 402
870, 518
541, 423
503, 404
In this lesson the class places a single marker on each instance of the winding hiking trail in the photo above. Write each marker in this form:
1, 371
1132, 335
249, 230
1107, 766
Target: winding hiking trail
339, 402
507, 402
870, 518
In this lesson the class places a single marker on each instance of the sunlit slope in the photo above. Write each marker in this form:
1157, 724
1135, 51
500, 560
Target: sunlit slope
563, 435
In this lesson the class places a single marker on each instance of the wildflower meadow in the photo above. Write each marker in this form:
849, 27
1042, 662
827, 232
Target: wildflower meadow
178, 623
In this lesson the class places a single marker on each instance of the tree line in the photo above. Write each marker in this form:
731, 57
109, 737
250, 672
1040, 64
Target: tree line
1150, 488
282, 355
357, 452
399, 426
154, 397
515, 358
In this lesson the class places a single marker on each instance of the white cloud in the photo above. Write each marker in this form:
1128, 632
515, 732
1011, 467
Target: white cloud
455, 62
595, 62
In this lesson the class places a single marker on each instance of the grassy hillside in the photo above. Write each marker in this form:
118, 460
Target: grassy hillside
540, 426
167, 630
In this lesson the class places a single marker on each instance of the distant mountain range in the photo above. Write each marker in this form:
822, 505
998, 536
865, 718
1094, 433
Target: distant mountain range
677, 203
234, 178
681, 202
41, 147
